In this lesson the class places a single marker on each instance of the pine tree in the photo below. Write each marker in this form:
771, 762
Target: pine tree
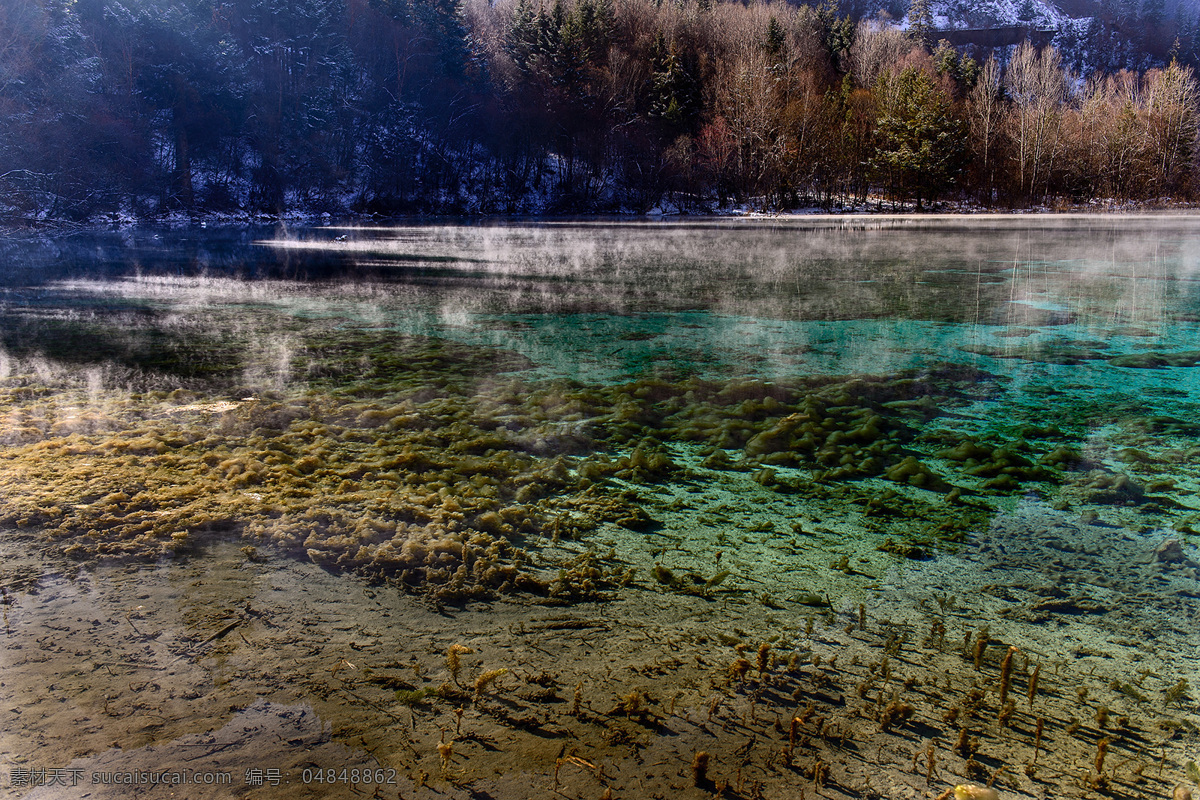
920, 146
837, 33
776, 41
920, 22
674, 97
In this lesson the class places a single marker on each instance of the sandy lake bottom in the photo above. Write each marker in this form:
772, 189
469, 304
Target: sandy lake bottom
223, 664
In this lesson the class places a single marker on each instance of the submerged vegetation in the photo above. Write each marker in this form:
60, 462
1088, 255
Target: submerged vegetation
435, 466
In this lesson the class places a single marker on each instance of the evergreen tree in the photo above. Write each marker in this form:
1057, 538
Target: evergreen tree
920, 146
1153, 13
920, 22
59, 152
964, 70
521, 43
673, 93
1154, 37
186, 69
776, 40
837, 33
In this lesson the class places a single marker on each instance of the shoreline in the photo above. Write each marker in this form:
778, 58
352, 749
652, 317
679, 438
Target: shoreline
872, 210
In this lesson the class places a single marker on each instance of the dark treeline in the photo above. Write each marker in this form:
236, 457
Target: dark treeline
410, 106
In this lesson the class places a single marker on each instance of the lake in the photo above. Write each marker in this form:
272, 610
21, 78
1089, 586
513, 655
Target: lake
862, 506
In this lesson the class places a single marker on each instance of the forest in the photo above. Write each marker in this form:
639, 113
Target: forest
147, 108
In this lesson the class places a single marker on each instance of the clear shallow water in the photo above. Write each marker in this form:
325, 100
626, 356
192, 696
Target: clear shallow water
292, 391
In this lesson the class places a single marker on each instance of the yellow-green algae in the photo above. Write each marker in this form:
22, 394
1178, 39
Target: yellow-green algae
434, 465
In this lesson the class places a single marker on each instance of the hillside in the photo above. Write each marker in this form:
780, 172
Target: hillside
1092, 35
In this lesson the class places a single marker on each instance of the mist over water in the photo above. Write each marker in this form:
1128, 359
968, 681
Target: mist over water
826, 295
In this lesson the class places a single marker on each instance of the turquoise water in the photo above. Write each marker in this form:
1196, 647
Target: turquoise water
1043, 303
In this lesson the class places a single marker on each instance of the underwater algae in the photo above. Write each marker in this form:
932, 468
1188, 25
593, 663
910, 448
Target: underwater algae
440, 470
425, 462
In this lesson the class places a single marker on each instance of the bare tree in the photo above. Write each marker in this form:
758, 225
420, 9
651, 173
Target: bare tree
1109, 144
985, 111
742, 97
876, 49
1037, 84
1172, 99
